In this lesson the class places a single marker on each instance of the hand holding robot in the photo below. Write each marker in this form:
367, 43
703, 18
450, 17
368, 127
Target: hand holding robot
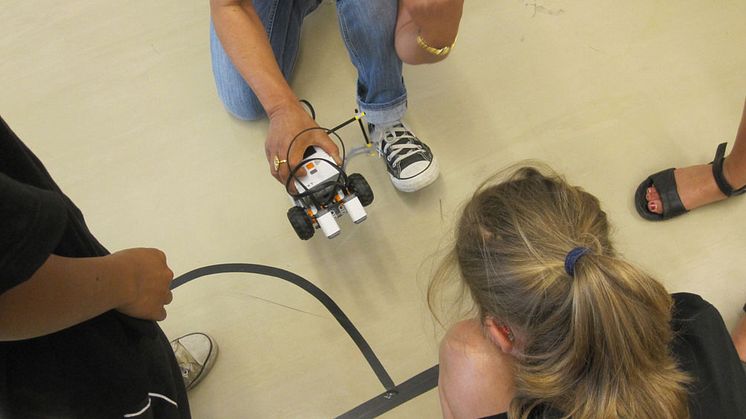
284, 124
319, 188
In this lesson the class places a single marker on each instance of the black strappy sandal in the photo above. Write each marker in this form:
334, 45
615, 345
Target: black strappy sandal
743, 364
665, 184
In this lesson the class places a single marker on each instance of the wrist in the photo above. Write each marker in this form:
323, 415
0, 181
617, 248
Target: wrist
282, 105
117, 273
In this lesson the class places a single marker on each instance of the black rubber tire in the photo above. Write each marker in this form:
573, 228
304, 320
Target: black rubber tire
359, 186
301, 222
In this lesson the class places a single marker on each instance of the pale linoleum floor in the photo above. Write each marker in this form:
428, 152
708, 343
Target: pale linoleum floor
117, 98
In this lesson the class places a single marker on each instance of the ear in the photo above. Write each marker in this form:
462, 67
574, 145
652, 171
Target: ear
500, 334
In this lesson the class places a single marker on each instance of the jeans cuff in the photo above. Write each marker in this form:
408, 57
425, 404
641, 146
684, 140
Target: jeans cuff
384, 113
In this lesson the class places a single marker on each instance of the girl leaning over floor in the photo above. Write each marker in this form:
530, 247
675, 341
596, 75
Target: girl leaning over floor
564, 326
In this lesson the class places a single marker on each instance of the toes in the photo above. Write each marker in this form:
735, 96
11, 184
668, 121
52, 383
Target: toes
655, 206
652, 194
654, 200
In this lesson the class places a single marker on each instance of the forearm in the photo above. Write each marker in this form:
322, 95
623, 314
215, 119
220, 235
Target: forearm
63, 292
244, 39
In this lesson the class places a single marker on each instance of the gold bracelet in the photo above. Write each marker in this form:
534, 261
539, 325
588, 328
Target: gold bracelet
435, 51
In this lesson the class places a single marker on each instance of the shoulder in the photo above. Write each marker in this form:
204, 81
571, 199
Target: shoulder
689, 301
466, 334
476, 378
466, 348
688, 306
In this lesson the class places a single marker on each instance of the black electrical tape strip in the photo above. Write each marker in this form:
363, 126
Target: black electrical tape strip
310, 288
404, 392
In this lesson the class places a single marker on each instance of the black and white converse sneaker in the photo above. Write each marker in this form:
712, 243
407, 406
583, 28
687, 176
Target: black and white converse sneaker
196, 354
410, 162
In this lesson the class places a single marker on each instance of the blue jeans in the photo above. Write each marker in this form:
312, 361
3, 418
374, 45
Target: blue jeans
368, 31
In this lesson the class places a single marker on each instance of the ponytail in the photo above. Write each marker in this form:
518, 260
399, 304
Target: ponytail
595, 330
620, 334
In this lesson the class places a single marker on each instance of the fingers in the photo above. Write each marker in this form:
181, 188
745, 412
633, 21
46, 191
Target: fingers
168, 277
161, 315
271, 156
324, 141
157, 306
149, 277
317, 138
287, 167
164, 277
162, 266
161, 311
280, 162
291, 133
331, 149
283, 172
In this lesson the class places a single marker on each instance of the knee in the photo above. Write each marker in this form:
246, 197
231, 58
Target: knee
247, 114
374, 21
238, 98
244, 110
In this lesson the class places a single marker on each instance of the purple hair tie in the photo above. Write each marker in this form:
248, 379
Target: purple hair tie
572, 258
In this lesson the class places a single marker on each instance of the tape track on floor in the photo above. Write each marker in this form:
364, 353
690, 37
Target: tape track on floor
389, 399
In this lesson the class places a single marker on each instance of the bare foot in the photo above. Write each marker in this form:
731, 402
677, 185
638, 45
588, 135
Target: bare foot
739, 338
696, 187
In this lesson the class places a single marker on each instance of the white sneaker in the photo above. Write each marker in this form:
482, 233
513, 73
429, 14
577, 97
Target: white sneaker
410, 162
196, 353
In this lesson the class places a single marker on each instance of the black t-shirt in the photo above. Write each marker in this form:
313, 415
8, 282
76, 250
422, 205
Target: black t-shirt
107, 367
705, 350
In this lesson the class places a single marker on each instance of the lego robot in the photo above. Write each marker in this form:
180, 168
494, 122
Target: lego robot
324, 194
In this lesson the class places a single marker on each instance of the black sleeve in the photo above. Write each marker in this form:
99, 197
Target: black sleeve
705, 350
32, 221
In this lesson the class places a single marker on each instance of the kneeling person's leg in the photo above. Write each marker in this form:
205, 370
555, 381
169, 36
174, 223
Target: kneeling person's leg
282, 23
368, 32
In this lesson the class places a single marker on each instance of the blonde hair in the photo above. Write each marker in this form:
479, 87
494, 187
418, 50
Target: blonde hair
595, 345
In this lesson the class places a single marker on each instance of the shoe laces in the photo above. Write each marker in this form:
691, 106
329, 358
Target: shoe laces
398, 143
187, 364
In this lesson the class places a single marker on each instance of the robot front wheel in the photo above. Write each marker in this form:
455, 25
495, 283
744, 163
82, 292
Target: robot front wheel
359, 186
301, 222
